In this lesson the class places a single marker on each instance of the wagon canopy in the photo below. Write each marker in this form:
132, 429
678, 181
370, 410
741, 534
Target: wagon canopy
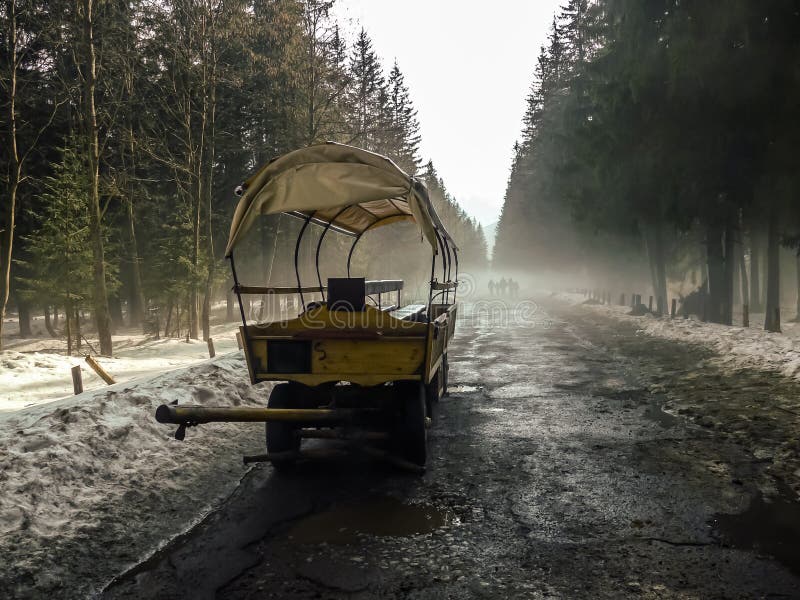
347, 188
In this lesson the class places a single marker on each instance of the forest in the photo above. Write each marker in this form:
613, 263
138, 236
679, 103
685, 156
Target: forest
127, 126
659, 148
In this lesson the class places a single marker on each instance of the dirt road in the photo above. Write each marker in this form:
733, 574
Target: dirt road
554, 472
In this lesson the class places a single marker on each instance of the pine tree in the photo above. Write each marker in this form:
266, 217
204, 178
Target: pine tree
404, 125
367, 97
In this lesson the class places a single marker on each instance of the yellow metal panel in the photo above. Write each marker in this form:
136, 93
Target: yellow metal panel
436, 345
341, 356
321, 319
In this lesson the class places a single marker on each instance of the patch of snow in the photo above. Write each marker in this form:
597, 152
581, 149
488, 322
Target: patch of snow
76, 473
736, 347
37, 371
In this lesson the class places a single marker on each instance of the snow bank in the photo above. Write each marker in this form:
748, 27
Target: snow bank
37, 371
75, 473
736, 347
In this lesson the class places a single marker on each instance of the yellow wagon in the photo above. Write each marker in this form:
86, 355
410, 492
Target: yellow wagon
357, 366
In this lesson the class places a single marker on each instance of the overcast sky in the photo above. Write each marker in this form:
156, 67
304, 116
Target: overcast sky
469, 66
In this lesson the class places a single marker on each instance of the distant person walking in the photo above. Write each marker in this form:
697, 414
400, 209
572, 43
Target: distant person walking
491, 287
502, 287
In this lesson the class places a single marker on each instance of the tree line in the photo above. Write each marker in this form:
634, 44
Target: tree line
127, 125
660, 141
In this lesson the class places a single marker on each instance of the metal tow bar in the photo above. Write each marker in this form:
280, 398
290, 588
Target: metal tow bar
190, 416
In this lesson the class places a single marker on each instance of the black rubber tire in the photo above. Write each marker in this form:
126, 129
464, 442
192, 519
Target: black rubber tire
413, 433
445, 371
281, 437
432, 394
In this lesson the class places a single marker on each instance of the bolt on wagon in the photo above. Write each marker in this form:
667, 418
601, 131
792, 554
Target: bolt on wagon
356, 366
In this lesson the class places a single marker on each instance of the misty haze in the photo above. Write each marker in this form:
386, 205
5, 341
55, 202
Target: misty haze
355, 299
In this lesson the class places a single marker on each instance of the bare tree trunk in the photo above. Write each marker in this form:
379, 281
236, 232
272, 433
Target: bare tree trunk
743, 273
24, 315
78, 329
737, 273
229, 300
194, 325
716, 272
100, 296
15, 168
797, 305
136, 300
169, 317
68, 319
755, 271
772, 322
48, 324
115, 310
211, 109
726, 308
658, 271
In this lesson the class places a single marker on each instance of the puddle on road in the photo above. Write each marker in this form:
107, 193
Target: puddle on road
382, 517
768, 527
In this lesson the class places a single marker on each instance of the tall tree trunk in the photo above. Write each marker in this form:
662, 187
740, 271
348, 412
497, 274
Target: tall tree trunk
726, 308
68, 325
772, 321
100, 296
755, 271
136, 303
797, 305
194, 328
211, 109
78, 333
24, 314
15, 168
737, 273
743, 273
115, 310
229, 300
658, 269
716, 271
48, 324
169, 317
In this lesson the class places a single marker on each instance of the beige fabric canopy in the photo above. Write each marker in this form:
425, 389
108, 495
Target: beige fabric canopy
350, 188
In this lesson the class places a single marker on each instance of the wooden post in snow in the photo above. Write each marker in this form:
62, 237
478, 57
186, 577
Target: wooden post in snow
77, 380
99, 370
211, 352
745, 315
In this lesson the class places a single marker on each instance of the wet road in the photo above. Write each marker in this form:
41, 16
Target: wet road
553, 472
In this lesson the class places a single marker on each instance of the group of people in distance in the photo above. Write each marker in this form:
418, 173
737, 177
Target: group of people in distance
504, 287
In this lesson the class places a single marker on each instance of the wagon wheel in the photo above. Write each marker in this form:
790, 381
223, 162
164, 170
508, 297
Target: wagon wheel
445, 371
281, 436
432, 393
411, 433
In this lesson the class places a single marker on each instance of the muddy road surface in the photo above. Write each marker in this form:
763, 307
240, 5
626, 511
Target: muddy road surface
555, 471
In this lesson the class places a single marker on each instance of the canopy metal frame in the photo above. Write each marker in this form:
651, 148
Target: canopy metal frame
386, 173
